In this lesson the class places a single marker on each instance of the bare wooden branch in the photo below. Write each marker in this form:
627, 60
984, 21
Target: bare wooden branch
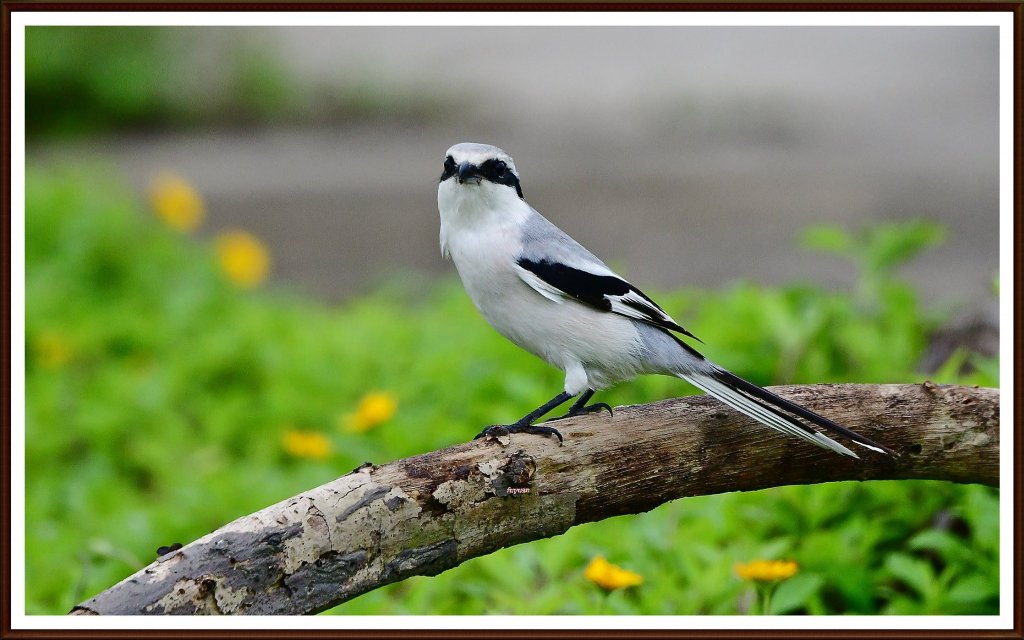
426, 514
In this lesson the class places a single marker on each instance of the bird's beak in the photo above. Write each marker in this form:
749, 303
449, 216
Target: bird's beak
467, 172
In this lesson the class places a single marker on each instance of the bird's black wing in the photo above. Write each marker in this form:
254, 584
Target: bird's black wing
604, 291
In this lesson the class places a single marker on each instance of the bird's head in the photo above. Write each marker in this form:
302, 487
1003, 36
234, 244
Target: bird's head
478, 189
479, 172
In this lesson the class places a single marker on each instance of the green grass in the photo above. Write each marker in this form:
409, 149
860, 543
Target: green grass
158, 395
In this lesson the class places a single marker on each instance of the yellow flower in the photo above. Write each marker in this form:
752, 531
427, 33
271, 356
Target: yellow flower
766, 570
306, 444
375, 407
175, 202
609, 576
52, 350
243, 258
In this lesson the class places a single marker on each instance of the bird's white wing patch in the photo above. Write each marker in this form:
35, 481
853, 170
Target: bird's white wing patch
543, 288
633, 305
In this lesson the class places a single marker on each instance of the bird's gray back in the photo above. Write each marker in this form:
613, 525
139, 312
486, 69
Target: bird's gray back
542, 240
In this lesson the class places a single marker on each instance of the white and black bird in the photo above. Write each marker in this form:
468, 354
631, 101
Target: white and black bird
546, 293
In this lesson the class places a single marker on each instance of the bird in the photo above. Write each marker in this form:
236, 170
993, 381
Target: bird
549, 295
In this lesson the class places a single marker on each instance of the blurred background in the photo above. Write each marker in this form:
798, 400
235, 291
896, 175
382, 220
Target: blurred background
688, 155
235, 289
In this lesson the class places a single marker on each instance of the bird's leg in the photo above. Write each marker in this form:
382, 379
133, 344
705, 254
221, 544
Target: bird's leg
525, 424
580, 406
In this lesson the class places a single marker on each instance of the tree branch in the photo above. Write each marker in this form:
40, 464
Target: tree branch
425, 514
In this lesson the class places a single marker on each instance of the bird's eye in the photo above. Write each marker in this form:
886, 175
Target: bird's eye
449, 163
500, 168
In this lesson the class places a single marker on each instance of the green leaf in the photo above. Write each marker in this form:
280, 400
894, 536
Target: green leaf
986, 372
941, 541
827, 239
794, 593
916, 574
892, 244
973, 589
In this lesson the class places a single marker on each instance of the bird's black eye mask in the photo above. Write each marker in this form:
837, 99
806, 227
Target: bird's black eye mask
449, 168
492, 170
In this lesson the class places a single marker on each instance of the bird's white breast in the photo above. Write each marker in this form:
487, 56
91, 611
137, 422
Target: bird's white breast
485, 260
567, 334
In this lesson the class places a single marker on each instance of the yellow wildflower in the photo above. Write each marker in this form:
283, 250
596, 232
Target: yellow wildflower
176, 202
52, 350
375, 407
306, 444
243, 258
766, 570
609, 576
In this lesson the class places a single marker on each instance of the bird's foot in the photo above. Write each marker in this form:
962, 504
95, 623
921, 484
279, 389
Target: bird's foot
499, 430
597, 407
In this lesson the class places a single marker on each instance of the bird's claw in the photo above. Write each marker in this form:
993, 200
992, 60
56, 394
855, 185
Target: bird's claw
499, 430
597, 407
493, 431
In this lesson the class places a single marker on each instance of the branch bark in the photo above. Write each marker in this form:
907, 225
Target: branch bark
425, 514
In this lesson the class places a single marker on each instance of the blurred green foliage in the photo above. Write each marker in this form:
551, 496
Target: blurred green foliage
82, 80
877, 251
158, 396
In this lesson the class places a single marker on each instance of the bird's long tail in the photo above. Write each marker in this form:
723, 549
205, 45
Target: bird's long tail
769, 409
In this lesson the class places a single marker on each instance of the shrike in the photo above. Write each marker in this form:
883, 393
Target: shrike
546, 293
